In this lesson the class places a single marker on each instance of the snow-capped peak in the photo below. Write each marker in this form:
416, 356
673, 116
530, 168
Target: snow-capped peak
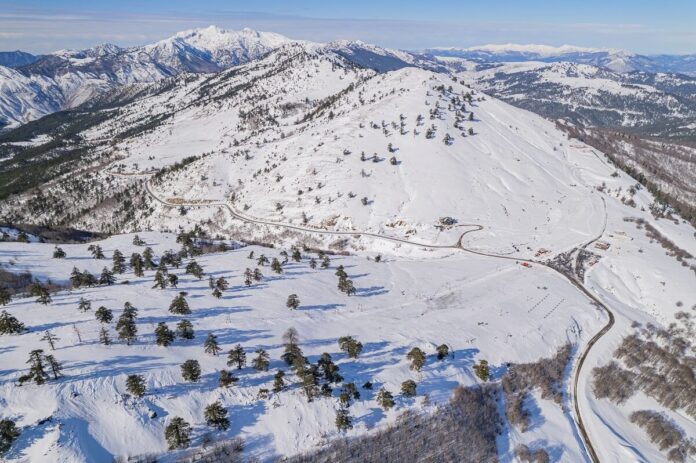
541, 50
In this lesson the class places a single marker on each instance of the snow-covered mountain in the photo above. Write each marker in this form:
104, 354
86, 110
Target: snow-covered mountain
80, 75
616, 60
310, 146
12, 59
655, 104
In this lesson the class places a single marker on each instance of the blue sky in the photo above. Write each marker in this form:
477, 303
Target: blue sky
667, 26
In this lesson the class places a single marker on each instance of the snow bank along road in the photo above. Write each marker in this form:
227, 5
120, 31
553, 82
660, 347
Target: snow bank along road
592, 454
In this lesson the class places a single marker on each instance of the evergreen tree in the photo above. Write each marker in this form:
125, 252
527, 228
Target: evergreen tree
296, 255
75, 278
284, 255
87, 279
192, 268
276, 267
343, 419
8, 434
442, 351
325, 262
119, 262
293, 302
417, 358
104, 336
148, 255
107, 277
309, 376
211, 346
55, 366
346, 286
211, 282
84, 305
137, 241
58, 253
41, 293
340, 272
408, 388
125, 326
173, 280
216, 416
9, 324
136, 263
329, 368
37, 370
184, 329
278, 381
5, 296
179, 305
51, 339
292, 349
482, 370
222, 284
349, 392
22, 237
258, 276
350, 346
226, 379
135, 385
262, 260
160, 280
178, 433
96, 251
217, 293
251, 255
385, 399
237, 356
104, 315
163, 335
262, 360
248, 276
312, 263
191, 370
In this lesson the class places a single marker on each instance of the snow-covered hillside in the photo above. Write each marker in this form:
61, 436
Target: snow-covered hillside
496, 235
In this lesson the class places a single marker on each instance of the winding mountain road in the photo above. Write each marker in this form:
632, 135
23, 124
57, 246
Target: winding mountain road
589, 448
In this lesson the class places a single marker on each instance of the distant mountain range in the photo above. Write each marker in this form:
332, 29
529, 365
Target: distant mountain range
612, 59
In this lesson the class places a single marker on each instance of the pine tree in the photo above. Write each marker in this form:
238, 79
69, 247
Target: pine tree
340, 272
349, 391
217, 293
51, 339
136, 263
36, 368
9, 324
5, 296
58, 253
325, 262
75, 278
104, 336
125, 326
135, 385
293, 302
385, 399
442, 351
216, 416
262, 360
296, 255
211, 282
350, 346
343, 419
346, 286
258, 276
179, 305
226, 379
276, 267
55, 366
192, 268
237, 356
191, 370
278, 381
177, 433
312, 263
137, 241
408, 388
309, 375
211, 346
417, 358
104, 315
119, 262
8, 434
96, 251
173, 280
284, 255
107, 277
87, 279
262, 260
163, 335
248, 276
148, 255
160, 280
41, 293
329, 368
84, 305
292, 349
482, 370
222, 284
251, 255
184, 329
